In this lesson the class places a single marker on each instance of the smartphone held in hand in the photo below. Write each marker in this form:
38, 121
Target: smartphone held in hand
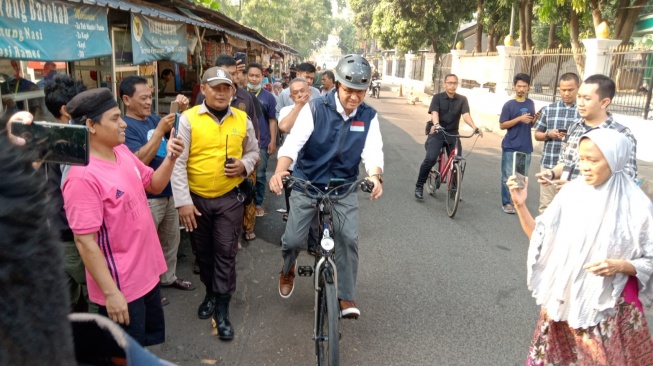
519, 168
55, 142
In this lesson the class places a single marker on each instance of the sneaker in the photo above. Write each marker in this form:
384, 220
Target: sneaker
348, 309
287, 282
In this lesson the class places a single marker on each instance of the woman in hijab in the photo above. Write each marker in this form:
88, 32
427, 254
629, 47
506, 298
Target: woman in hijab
590, 262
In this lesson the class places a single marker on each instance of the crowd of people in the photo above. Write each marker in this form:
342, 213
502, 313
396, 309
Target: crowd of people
590, 258
203, 170
113, 232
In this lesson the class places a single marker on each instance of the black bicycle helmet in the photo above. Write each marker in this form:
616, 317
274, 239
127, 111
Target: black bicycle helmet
353, 71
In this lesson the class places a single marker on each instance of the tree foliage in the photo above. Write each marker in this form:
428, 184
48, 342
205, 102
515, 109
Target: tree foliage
303, 24
412, 24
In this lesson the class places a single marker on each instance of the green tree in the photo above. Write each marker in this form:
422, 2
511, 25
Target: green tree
211, 4
412, 24
349, 40
303, 23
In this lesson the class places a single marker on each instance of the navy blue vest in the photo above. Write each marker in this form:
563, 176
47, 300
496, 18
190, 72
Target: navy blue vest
335, 146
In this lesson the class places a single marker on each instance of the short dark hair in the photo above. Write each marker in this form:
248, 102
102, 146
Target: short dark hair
128, 85
306, 67
254, 65
329, 74
570, 76
166, 72
225, 60
521, 77
59, 91
606, 87
449, 76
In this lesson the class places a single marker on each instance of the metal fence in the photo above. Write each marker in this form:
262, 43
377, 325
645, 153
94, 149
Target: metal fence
388, 66
442, 68
417, 72
631, 68
401, 68
545, 68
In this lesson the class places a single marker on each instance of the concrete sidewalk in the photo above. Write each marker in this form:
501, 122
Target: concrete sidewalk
486, 109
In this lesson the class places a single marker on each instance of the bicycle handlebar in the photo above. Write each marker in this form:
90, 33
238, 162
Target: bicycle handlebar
440, 129
365, 184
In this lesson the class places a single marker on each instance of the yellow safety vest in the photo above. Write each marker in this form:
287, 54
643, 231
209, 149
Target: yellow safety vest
209, 151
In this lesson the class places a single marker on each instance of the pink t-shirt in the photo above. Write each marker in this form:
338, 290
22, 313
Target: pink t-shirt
108, 198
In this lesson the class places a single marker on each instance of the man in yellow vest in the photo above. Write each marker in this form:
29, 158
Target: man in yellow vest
220, 151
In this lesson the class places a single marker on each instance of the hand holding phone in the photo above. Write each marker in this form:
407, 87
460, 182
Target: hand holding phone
55, 142
241, 58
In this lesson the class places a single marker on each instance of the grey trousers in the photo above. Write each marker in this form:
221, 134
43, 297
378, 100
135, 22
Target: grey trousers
345, 220
166, 221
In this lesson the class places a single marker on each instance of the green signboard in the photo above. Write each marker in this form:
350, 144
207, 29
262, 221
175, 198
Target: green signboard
154, 39
52, 30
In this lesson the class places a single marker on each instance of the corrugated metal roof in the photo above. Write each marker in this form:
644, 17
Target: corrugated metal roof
149, 10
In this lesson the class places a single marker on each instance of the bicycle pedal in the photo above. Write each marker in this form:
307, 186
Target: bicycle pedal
305, 271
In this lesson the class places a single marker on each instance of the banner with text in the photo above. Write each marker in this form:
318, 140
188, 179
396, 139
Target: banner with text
52, 30
154, 40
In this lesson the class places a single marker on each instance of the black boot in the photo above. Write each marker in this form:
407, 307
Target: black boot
221, 316
419, 192
207, 307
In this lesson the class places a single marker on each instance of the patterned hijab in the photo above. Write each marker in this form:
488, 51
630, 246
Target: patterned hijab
584, 224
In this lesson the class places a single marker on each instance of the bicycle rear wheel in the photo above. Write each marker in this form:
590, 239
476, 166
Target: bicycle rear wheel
453, 190
327, 337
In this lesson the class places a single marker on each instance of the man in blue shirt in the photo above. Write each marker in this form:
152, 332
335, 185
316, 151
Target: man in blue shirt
516, 117
267, 129
146, 136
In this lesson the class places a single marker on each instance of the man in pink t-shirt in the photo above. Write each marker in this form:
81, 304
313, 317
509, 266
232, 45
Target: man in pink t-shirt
108, 212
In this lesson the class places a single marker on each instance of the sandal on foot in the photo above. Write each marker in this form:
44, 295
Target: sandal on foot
507, 208
249, 235
285, 217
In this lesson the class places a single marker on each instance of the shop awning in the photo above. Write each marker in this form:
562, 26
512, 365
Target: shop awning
152, 11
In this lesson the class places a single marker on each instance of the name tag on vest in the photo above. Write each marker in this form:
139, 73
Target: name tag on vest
357, 126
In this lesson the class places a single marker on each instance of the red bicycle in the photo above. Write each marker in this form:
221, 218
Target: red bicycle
448, 169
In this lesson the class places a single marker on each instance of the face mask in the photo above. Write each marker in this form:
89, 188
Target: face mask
252, 87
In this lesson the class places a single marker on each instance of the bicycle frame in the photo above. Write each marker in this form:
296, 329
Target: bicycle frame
324, 262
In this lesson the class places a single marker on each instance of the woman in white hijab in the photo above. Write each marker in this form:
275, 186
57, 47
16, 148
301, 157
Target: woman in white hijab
590, 262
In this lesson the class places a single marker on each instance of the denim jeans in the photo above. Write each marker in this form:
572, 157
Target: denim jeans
261, 178
506, 171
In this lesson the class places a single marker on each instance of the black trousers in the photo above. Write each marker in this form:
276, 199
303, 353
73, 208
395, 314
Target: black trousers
216, 241
146, 322
433, 146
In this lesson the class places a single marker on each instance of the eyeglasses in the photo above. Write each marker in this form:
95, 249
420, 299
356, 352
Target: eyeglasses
359, 92
451, 83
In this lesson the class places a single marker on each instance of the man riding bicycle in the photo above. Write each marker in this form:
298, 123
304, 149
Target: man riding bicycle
331, 135
445, 110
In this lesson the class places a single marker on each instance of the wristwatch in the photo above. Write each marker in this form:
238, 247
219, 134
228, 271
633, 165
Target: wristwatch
547, 138
378, 175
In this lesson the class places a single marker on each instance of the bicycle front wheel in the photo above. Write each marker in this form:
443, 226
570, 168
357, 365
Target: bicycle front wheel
453, 190
327, 337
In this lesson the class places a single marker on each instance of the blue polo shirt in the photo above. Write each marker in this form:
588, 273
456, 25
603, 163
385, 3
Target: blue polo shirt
138, 133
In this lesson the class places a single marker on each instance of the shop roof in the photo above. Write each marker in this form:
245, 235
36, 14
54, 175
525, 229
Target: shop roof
150, 10
190, 10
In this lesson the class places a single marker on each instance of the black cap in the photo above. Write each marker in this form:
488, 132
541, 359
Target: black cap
91, 103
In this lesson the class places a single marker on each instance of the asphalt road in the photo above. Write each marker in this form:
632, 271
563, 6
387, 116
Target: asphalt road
432, 290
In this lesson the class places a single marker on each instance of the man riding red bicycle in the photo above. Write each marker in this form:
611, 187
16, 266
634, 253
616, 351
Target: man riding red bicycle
445, 110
